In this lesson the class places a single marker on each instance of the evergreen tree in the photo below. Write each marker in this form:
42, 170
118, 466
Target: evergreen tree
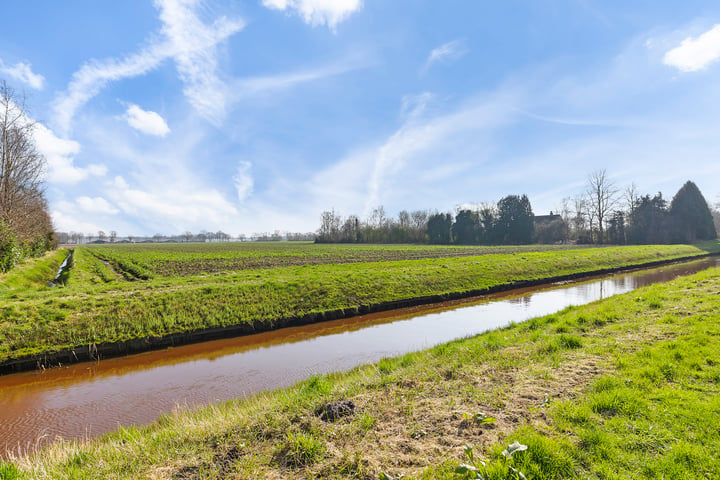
439, 228
690, 217
465, 229
648, 221
515, 220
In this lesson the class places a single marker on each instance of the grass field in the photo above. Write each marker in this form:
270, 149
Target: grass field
125, 292
625, 388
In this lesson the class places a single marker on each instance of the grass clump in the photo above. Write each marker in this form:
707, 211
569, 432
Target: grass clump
300, 449
9, 471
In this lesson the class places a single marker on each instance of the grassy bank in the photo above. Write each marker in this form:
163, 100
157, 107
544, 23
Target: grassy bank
113, 296
624, 388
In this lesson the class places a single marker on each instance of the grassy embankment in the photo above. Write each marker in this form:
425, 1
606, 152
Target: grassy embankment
624, 388
121, 293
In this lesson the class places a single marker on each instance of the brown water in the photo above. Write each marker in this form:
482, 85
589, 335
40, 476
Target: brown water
89, 399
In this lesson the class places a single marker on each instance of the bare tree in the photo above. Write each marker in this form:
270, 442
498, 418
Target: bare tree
22, 201
404, 219
378, 217
580, 216
715, 211
632, 198
602, 198
329, 226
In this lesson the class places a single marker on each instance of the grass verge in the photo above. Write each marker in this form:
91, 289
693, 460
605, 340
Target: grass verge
625, 388
107, 303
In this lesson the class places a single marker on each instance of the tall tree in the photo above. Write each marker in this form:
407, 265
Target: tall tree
439, 228
616, 228
515, 220
648, 224
466, 225
690, 216
487, 217
329, 227
25, 225
602, 198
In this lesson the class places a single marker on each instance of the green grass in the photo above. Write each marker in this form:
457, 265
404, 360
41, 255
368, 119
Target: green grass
627, 391
116, 294
35, 273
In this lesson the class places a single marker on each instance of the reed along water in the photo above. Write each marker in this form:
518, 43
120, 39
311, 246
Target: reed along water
88, 399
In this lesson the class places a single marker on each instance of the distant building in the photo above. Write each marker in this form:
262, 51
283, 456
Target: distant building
550, 229
544, 219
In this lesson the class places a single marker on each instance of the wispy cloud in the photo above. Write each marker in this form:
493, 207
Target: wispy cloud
318, 12
447, 52
95, 75
243, 181
243, 88
194, 47
185, 38
148, 122
695, 54
416, 145
23, 72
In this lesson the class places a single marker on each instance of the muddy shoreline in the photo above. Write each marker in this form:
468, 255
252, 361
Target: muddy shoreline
95, 352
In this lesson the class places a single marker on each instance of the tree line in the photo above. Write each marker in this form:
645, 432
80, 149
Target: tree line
601, 214
25, 226
79, 238
510, 221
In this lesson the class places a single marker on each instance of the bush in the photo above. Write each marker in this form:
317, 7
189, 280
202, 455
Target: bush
10, 251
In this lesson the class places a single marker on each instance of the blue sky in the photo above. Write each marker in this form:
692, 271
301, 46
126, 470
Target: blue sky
256, 115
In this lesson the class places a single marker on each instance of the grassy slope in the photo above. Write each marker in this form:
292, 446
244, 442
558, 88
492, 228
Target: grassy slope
34, 273
624, 388
97, 306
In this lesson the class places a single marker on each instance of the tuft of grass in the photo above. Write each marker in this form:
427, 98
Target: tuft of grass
8, 471
301, 449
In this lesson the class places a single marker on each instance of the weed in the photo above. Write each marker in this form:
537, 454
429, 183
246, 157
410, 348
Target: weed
480, 418
478, 469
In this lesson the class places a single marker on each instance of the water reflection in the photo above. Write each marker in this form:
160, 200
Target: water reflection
93, 398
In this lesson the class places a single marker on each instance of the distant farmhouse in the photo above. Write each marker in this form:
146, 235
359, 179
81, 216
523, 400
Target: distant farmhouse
550, 229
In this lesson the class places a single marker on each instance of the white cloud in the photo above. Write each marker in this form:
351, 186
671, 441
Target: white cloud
175, 206
66, 219
318, 12
95, 205
194, 50
186, 39
94, 75
148, 122
446, 52
59, 154
243, 180
695, 54
23, 72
